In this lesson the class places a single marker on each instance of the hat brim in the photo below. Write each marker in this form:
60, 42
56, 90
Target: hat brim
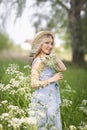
40, 34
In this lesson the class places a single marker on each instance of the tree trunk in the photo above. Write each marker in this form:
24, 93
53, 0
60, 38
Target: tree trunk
76, 33
77, 56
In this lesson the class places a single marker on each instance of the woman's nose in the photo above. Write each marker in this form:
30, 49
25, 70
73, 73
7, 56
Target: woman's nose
50, 45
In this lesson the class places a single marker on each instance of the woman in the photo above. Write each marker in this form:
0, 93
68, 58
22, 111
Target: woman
45, 100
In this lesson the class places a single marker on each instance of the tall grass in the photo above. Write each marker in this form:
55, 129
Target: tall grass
73, 93
76, 77
4, 64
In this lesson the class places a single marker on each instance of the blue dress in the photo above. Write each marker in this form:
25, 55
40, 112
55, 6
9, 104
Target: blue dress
45, 103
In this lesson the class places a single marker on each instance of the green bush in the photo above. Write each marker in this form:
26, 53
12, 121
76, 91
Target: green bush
5, 42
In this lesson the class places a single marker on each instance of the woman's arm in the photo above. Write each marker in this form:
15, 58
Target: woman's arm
60, 65
35, 73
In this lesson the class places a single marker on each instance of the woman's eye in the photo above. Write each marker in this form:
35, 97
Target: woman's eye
51, 43
47, 42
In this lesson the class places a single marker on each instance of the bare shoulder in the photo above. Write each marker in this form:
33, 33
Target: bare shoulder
36, 63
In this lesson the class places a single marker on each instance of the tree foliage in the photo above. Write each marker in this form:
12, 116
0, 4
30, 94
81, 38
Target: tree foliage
4, 42
8, 8
67, 15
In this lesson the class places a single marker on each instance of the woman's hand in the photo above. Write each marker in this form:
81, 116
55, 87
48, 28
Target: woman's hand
56, 77
61, 66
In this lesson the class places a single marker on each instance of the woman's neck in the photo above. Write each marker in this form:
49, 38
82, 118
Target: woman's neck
41, 55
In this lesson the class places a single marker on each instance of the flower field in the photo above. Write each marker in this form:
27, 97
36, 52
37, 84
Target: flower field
15, 95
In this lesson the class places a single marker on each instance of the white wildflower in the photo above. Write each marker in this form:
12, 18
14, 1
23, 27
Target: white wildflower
31, 113
14, 83
72, 127
11, 107
68, 88
15, 123
7, 87
85, 111
82, 127
66, 103
1, 127
21, 90
27, 66
1, 86
84, 102
4, 102
22, 78
83, 106
54, 128
4, 116
12, 92
31, 120
15, 110
28, 96
12, 69
19, 74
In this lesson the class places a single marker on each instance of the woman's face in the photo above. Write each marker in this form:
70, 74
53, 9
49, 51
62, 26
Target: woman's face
47, 45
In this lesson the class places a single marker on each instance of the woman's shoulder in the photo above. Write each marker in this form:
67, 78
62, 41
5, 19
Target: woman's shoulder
37, 64
37, 60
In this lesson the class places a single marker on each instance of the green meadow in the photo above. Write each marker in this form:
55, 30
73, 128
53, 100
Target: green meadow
73, 90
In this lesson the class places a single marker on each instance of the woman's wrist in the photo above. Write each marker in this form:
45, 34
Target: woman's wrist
50, 80
47, 82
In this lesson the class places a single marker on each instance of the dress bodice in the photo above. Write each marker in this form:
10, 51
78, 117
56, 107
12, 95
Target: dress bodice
46, 73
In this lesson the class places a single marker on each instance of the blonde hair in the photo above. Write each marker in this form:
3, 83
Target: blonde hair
36, 45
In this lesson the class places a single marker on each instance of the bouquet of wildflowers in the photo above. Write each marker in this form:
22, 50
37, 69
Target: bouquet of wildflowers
50, 60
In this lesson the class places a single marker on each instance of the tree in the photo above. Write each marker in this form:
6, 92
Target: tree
76, 31
84, 27
60, 13
73, 14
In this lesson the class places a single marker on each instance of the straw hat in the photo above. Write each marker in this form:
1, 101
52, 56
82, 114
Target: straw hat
40, 34
35, 43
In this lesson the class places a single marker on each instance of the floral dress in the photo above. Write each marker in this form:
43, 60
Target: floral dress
45, 103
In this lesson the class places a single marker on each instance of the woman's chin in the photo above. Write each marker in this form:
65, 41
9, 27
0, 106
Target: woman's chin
47, 53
